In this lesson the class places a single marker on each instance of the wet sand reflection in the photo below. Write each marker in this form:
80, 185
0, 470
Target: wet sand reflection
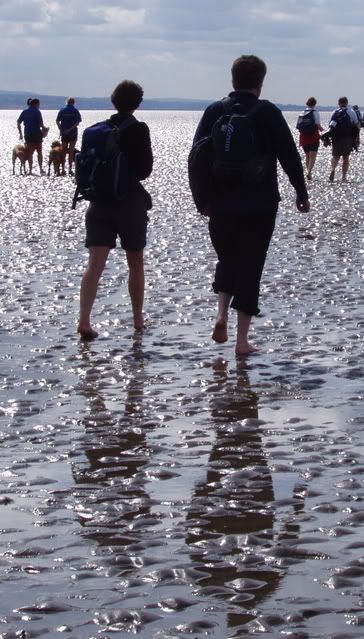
116, 450
232, 516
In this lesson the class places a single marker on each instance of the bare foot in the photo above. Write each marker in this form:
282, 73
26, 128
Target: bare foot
220, 334
139, 324
86, 332
245, 348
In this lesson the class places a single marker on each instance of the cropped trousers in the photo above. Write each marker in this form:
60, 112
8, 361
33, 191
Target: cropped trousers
241, 243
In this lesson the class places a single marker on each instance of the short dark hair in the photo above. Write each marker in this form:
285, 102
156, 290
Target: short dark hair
34, 102
248, 72
343, 101
311, 102
127, 96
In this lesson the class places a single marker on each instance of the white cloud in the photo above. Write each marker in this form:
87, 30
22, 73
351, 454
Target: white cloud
182, 48
262, 13
117, 17
341, 51
164, 58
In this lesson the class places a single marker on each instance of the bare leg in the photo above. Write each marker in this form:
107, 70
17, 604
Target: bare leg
220, 333
30, 151
71, 153
243, 347
345, 166
136, 286
40, 157
334, 162
96, 264
311, 162
64, 155
307, 156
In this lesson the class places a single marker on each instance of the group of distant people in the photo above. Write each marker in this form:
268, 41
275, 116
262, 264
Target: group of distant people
343, 134
68, 120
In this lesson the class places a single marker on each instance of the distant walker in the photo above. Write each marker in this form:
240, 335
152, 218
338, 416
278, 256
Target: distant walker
68, 120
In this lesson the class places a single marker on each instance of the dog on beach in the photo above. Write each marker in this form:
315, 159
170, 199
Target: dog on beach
19, 153
55, 159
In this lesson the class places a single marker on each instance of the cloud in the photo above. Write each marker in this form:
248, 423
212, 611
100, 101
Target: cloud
115, 18
182, 49
342, 51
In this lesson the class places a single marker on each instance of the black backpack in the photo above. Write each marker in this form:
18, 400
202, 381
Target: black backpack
306, 122
344, 126
231, 156
101, 168
200, 176
239, 159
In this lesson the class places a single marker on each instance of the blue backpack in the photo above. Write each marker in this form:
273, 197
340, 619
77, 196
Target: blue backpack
230, 157
101, 168
306, 122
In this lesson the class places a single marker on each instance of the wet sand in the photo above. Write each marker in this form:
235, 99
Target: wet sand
154, 485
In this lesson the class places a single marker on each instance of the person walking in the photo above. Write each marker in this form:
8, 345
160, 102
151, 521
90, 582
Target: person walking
126, 219
310, 140
68, 120
34, 132
242, 218
359, 125
344, 127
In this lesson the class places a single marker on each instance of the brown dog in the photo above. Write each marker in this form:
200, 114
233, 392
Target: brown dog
19, 153
56, 159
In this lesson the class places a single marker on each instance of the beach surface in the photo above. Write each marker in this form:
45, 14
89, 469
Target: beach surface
152, 484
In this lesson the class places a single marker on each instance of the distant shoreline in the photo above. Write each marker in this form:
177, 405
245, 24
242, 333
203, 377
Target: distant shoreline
12, 100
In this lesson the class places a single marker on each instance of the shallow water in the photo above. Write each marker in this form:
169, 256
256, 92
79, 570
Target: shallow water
154, 485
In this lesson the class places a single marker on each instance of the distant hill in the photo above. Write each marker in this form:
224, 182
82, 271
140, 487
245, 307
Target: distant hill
18, 99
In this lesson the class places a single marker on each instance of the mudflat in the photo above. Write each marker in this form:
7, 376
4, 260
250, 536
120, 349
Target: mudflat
152, 484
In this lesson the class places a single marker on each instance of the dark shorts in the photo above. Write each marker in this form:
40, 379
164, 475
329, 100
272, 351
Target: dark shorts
69, 137
342, 146
33, 138
127, 220
311, 147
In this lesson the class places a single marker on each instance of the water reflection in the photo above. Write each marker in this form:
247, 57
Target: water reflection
232, 519
115, 446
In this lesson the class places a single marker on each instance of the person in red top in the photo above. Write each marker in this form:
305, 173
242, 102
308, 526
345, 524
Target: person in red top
310, 142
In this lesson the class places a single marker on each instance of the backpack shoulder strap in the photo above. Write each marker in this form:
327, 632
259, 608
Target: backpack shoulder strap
259, 106
124, 124
227, 104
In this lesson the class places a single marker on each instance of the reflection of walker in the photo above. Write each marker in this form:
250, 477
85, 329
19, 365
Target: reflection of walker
232, 523
112, 465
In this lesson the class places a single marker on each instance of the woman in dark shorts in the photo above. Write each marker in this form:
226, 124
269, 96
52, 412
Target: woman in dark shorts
34, 132
310, 142
126, 219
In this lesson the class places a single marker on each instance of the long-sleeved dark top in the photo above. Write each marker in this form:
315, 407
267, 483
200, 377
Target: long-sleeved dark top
274, 134
136, 144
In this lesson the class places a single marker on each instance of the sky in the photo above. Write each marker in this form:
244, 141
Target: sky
183, 48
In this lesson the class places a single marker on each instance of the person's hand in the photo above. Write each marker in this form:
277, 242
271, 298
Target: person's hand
303, 205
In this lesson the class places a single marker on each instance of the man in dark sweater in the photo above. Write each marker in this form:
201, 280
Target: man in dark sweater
242, 218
